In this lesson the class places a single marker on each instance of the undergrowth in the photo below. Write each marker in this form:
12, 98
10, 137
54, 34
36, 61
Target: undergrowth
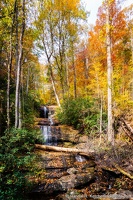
17, 160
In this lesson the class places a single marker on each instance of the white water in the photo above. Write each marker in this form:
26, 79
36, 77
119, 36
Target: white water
80, 158
46, 131
49, 135
45, 112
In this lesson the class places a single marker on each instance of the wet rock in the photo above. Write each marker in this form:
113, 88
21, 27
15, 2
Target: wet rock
55, 122
52, 188
68, 134
85, 165
65, 183
75, 180
42, 121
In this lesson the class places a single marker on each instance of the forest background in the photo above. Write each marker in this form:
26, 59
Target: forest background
86, 66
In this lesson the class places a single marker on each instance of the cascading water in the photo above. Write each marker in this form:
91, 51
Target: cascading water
80, 158
48, 134
46, 111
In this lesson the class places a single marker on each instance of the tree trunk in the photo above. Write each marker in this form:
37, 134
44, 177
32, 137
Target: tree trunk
17, 71
54, 88
63, 149
101, 114
109, 76
19, 60
20, 111
27, 81
86, 74
8, 81
74, 73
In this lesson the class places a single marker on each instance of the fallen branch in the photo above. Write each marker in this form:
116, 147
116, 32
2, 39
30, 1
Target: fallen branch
126, 131
128, 127
63, 149
109, 169
123, 171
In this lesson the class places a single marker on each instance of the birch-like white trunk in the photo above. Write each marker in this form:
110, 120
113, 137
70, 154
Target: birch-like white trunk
54, 88
18, 68
74, 73
109, 76
8, 81
101, 115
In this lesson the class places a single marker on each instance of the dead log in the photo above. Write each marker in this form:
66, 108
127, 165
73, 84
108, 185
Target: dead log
63, 149
127, 129
123, 171
127, 133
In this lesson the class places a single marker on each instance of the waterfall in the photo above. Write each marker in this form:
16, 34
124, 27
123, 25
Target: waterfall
48, 131
80, 158
49, 136
46, 135
45, 112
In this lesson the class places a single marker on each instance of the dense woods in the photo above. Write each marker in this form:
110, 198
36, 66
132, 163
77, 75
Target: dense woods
49, 54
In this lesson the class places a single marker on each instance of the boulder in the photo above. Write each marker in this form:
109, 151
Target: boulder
65, 183
75, 180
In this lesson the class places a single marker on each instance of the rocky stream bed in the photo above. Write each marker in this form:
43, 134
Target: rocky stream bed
93, 172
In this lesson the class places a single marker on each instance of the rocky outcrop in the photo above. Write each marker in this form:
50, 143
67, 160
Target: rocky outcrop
76, 180
67, 182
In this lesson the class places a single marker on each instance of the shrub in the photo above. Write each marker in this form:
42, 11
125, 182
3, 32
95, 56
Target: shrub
82, 114
17, 159
74, 110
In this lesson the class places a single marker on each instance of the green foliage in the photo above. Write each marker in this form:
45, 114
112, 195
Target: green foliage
30, 110
91, 123
72, 111
82, 114
17, 160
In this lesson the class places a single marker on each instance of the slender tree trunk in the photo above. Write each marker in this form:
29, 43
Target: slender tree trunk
27, 81
17, 72
9, 67
109, 76
86, 74
101, 114
50, 69
74, 73
8, 81
19, 59
20, 111
67, 81
54, 88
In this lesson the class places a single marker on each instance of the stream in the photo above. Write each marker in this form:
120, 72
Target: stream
71, 176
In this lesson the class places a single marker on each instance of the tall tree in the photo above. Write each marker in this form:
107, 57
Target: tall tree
57, 26
19, 52
109, 74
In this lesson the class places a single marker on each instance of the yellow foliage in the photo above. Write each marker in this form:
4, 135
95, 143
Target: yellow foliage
70, 5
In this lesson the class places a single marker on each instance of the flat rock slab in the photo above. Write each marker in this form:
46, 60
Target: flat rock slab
75, 180
65, 183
